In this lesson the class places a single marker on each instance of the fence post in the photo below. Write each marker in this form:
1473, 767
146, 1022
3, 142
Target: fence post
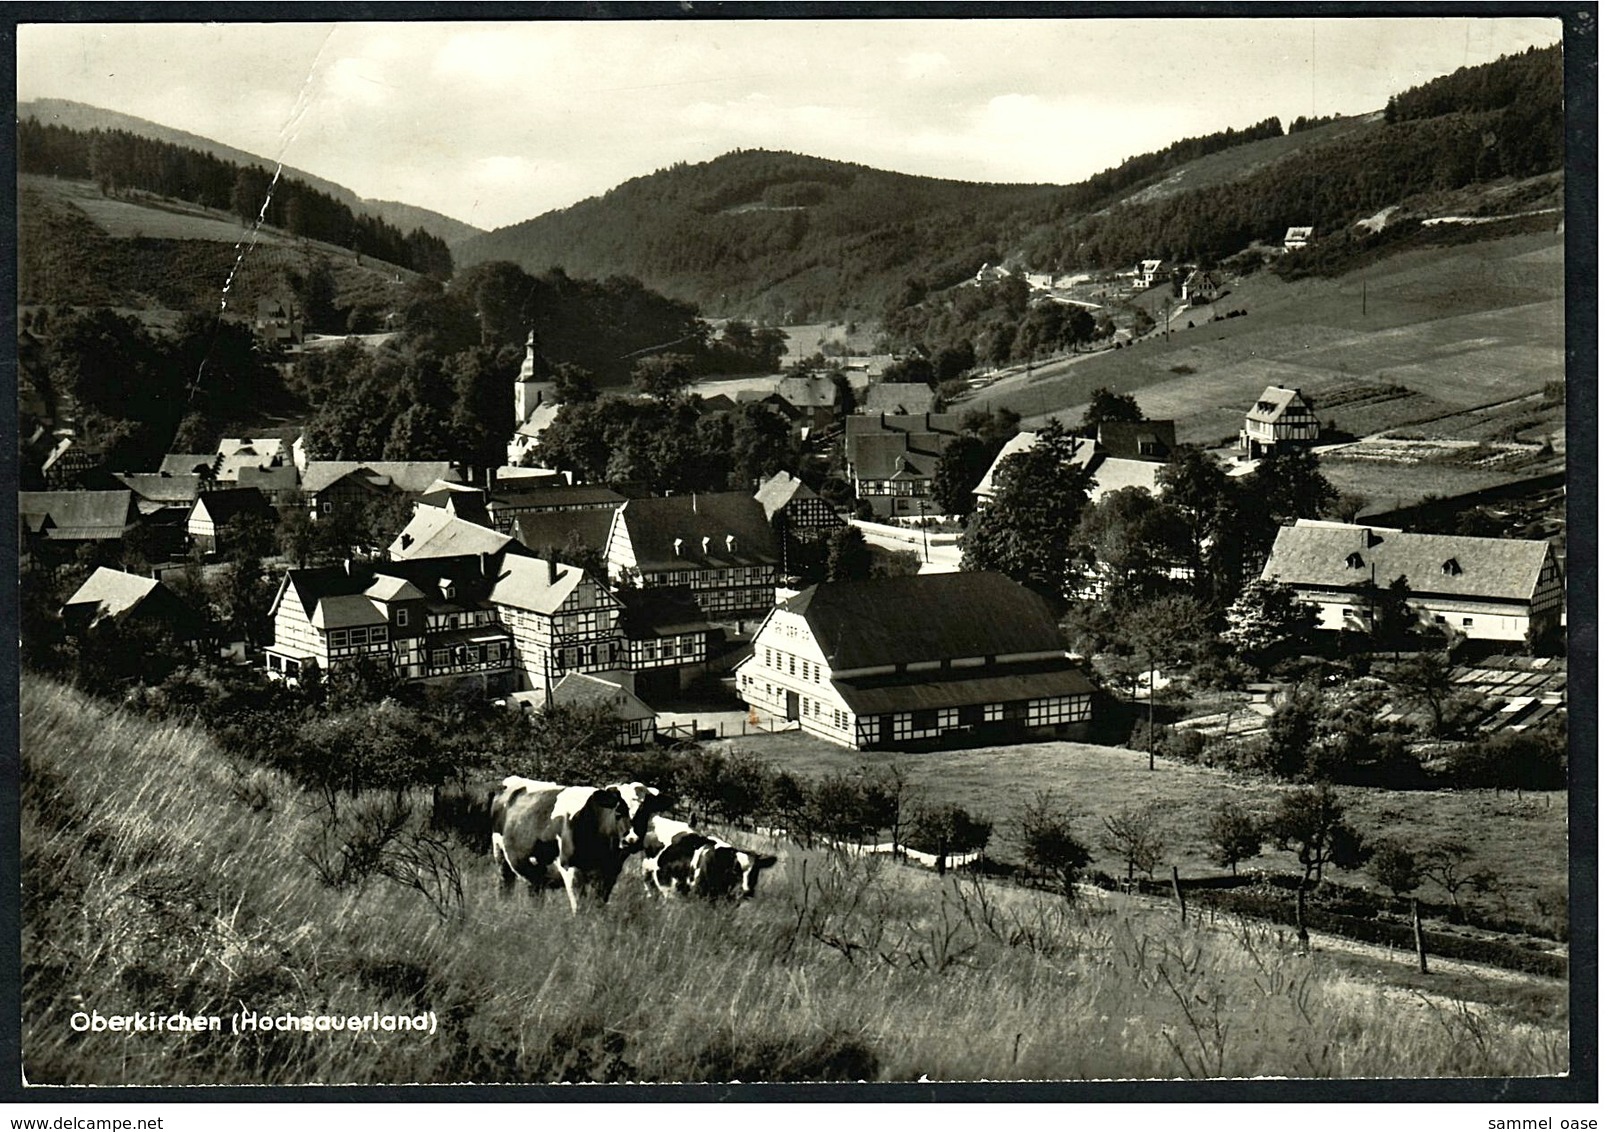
1183, 909
1300, 915
1418, 939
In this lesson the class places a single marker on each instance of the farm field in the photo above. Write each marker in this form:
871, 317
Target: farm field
158, 219
1524, 839
158, 874
1454, 327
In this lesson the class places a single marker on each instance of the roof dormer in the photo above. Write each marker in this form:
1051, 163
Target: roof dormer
1451, 567
1354, 561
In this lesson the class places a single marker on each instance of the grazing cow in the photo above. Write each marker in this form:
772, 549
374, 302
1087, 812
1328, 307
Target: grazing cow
582, 833
681, 861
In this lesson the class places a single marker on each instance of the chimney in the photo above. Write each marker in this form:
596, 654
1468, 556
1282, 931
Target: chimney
926, 421
678, 548
882, 420
486, 570
695, 503
706, 544
407, 540
552, 571
730, 541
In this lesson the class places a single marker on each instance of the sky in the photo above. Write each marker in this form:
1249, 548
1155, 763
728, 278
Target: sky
493, 123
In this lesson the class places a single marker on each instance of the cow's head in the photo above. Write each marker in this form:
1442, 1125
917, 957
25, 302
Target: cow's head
613, 817
642, 802
723, 871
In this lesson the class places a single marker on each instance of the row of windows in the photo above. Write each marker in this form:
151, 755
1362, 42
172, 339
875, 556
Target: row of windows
686, 647
341, 638
588, 623
465, 620
1056, 709
468, 656
784, 661
895, 487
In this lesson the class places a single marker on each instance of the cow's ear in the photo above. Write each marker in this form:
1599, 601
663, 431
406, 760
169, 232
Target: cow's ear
764, 861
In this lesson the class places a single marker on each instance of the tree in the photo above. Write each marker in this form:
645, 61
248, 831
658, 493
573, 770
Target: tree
1266, 620
1161, 633
1107, 406
946, 830
1048, 844
1449, 864
1136, 836
315, 293
1427, 680
1234, 836
960, 468
573, 384
1135, 541
664, 376
1027, 531
1310, 822
1396, 866
848, 555
1290, 485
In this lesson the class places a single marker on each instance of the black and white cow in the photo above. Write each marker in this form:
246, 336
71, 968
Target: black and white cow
644, 803
680, 861
581, 833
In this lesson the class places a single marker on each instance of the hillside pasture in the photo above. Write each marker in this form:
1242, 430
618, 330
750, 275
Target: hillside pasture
132, 217
1455, 327
160, 875
1525, 841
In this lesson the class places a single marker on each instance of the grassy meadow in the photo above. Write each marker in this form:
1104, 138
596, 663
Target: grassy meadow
159, 874
1456, 327
1523, 838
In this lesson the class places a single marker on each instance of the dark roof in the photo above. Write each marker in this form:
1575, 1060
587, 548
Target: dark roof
661, 611
1338, 557
225, 505
178, 463
541, 530
654, 525
899, 397
77, 514
468, 571
579, 689
862, 423
576, 495
161, 487
963, 687
808, 392
926, 617
1127, 440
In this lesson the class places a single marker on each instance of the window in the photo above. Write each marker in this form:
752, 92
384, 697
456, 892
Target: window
949, 717
337, 638
452, 620
1468, 622
792, 665
1055, 709
770, 661
901, 726
993, 713
377, 635
439, 659
401, 617
358, 637
274, 662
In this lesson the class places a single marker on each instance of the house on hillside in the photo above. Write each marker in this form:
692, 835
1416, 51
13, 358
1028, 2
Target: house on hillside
1297, 238
1202, 286
114, 595
719, 544
278, 322
215, 510
430, 621
1148, 274
802, 520
1487, 589
892, 458
1281, 419
638, 723
930, 660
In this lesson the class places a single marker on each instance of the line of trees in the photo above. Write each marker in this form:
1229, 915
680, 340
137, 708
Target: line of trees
120, 161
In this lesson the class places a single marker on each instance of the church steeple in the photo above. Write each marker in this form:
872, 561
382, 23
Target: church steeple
532, 383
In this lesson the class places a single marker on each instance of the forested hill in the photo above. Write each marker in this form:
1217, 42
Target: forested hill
81, 117
790, 237
795, 238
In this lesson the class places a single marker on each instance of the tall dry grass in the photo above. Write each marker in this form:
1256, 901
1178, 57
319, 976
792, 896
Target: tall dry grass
160, 876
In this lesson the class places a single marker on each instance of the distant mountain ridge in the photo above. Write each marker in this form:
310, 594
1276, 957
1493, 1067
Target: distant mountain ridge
81, 116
